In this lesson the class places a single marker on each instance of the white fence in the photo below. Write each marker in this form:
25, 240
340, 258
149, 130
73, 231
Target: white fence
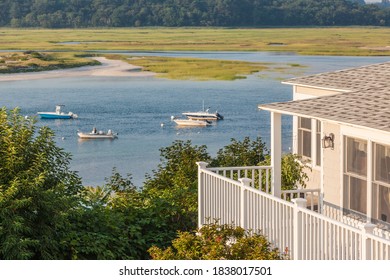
290, 226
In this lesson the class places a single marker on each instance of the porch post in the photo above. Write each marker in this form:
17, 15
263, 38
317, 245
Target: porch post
276, 153
201, 166
370, 157
366, 241
298, 224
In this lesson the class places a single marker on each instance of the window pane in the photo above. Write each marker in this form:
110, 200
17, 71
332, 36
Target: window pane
355, 175
356, 156
381, 203
305, 123
382, 163
304, 138
358, 195
306, 145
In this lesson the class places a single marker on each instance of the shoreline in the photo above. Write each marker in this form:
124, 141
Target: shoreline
109, 68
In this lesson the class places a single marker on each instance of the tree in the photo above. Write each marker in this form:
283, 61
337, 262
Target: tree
241, 153
293, 171
218, 242
255, 153
37, 190
174, 184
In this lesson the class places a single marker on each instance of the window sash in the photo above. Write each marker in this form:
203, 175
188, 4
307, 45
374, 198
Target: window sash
355, 175
304, 137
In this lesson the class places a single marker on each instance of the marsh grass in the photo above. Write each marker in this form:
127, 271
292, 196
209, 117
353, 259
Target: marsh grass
32, 61
198, 69
72, 46
364, 41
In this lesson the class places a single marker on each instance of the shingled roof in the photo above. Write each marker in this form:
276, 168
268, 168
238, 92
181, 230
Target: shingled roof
365, 108
359, 78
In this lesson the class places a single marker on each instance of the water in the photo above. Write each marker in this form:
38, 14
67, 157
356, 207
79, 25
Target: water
136, 108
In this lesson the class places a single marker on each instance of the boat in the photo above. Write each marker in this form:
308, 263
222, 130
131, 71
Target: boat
203, 115
94, 134
58, 114
189, 122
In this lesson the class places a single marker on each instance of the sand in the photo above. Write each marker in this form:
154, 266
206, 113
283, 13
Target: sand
112, 68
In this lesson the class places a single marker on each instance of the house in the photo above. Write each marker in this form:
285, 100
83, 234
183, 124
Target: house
341, 124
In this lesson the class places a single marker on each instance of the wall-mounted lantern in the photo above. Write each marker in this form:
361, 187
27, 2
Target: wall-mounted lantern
328, 141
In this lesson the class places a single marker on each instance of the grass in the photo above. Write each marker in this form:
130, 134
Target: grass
32, 61
363, 41
203, 69
198, 69
356, 41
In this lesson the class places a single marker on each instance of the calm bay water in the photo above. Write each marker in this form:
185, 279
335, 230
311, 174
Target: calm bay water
136, 108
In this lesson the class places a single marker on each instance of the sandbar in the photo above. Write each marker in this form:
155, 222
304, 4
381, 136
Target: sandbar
108, 68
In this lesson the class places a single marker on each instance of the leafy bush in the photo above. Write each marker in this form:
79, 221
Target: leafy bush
37, 190
218, 242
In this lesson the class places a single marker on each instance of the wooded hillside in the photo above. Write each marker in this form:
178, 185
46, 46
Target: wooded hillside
233, 13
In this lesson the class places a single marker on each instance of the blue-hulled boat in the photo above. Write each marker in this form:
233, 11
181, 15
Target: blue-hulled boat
58, 114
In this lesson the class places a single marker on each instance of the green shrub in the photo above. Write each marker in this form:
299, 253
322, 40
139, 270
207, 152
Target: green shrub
218, 242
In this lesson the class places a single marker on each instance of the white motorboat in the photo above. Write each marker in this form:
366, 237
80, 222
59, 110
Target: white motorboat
94, 134
190, 122
203, 115
58, 114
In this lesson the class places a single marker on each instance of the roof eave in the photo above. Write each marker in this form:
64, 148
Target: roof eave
317, 87
284, 112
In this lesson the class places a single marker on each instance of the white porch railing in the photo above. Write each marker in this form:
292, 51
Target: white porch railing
260, 178
291, 227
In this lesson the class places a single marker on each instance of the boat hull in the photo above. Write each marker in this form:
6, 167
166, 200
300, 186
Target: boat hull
190, 122
82, 135
54, 116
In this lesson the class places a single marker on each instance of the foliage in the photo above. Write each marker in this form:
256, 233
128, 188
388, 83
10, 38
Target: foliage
108, 222
125, 13
119, 221
293, 171
198, 69
31, 61
174, 184
241, 153
45, 213
255, 153
218, 242
37, 190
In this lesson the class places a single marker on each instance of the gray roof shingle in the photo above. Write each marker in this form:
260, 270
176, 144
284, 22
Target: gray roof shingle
365, 77
367, 108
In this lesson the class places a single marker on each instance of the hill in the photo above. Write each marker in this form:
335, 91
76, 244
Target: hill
178, 13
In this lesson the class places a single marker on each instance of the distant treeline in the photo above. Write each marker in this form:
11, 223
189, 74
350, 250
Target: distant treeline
226, 13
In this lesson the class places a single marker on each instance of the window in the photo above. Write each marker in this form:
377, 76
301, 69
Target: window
304, 138
355, 179
355, 175
381, 183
